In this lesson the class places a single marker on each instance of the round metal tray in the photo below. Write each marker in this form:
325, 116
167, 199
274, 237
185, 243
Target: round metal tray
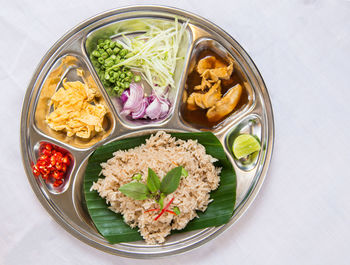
67, 207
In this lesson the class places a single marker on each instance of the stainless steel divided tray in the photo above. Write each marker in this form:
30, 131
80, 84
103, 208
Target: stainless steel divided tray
66, 206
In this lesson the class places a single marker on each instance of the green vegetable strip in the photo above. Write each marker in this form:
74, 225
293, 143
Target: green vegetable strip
112, 226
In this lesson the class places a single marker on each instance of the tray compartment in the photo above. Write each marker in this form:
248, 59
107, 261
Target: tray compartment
203, 48
66, 68
66, 180
130, 28
249, 125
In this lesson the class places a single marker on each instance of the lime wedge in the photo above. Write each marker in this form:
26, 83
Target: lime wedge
244, 145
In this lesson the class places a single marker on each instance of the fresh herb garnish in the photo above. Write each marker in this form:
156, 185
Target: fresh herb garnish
153, 182
155, 188
171, 180
135, 190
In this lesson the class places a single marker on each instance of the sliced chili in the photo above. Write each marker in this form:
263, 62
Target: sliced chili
169, 211
164, 209
151, 210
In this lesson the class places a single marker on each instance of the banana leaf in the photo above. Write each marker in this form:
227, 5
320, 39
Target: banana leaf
111, 225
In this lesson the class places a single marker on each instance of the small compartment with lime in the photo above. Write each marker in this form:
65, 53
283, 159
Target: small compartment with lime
244, 142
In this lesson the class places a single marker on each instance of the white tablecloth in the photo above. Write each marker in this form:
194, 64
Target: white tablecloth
301, 215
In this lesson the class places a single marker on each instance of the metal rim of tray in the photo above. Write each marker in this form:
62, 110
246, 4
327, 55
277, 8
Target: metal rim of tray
127, 250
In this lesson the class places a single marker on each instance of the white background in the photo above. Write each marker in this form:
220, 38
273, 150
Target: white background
301, 215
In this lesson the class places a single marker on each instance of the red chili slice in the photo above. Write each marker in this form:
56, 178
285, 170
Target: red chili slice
36, 171
57, 175
64, 168
48, 147
151, 210
58, 166
164, 209
44, 157
44, 170
65, 160
53, 160
57, 183
46, 152
169, 211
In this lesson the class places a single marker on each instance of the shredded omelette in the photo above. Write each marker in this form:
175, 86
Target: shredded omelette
76, 111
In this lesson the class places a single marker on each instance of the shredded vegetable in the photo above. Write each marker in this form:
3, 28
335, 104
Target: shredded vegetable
154, 54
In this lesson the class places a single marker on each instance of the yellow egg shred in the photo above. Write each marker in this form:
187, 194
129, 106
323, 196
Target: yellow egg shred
76, 111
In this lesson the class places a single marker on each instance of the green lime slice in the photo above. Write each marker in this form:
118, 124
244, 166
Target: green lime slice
244, 145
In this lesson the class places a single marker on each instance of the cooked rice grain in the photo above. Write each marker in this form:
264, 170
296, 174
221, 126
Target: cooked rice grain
161, 152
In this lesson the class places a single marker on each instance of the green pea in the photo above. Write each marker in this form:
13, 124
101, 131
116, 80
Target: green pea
109, 64
96, 64
115, 89
109, 51
104, 55
96, 53
123, 52
137, 78
119, 45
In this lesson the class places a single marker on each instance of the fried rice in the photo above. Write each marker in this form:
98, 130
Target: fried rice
161, 152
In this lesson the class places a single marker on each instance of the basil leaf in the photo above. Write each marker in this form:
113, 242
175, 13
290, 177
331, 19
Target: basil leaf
153, 182
171, 180
135, 190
